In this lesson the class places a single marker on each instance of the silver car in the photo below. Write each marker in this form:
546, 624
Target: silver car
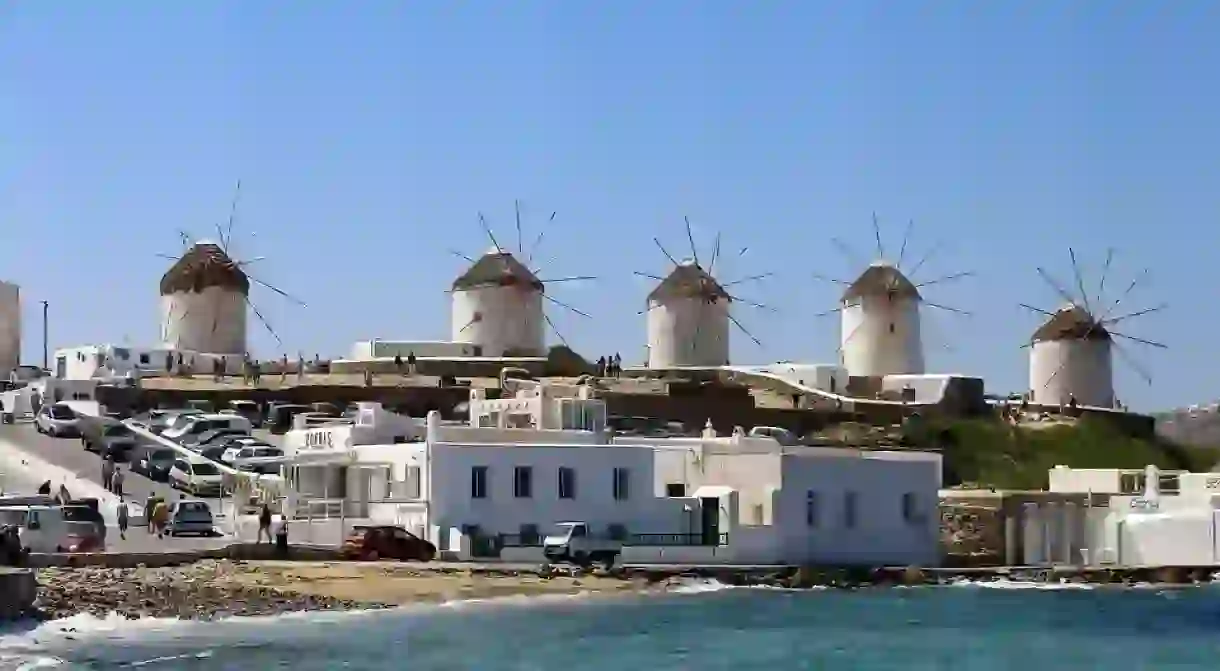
59, 420
190, 516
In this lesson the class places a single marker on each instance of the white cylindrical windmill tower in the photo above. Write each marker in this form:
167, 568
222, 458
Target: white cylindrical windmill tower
497, 306
880, 330
688, 320
1070, 358
203, 302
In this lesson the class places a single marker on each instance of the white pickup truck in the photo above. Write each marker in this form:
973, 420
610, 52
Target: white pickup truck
576, 544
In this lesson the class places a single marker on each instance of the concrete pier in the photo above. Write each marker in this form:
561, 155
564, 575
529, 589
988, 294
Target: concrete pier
18, 589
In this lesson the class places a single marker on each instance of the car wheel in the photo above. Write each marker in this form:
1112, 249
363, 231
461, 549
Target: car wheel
373, 555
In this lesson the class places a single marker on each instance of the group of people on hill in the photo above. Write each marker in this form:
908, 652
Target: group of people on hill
610, 366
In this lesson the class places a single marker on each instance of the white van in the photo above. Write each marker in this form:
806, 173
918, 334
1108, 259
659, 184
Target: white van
201, 423
41, 528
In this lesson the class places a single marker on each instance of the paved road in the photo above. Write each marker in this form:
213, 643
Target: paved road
68, 454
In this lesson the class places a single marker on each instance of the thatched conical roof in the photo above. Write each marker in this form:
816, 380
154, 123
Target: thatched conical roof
881, 279
497, 268
1071, 322
204, 265
689, 280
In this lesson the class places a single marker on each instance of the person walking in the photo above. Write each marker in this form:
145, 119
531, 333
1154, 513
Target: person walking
123, 518
160, 514
264, 524
107, 473
411, 363
116, 482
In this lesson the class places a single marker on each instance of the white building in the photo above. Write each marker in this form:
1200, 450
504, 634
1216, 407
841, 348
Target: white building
497, 307
1153, 518
880, 328
542, 456
119, 362
10, 327
1069, 359
688, 320
204, 298
371, 350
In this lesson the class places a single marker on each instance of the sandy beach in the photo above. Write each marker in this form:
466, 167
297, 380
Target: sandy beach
217, 588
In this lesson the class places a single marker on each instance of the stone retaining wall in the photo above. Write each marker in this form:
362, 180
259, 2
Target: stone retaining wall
239, 551
18, 589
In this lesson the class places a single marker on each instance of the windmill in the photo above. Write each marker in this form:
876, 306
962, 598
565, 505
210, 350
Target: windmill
205, 294
1071, 353
880, 329
690, 312
498, 303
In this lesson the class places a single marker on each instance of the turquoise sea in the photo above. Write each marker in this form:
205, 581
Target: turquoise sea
1008, 626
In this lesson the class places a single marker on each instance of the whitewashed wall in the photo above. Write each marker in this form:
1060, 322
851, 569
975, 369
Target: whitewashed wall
1059, 369
870, 347
210, 321
688, 332
511, 318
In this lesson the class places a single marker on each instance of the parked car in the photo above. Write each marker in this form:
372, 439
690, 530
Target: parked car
189, 516
155, 463
116, 442
213, 452
199, 440
162, 420
371, 543
196, 476
87, 525
59, 420
200, 424
246, 453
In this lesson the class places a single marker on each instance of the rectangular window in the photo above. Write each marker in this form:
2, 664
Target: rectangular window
413, 482
478, 482
849, 510
811, 509
910, 511
675, 489
567, 483
529, 535
622, 488
523, 482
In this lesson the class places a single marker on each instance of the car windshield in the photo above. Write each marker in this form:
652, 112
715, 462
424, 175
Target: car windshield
62, 412
16, 517
79, 514
194, 510
268, 452
163, 455
116, 430
204, 468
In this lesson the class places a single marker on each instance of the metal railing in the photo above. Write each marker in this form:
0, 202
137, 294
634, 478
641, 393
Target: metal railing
677, 539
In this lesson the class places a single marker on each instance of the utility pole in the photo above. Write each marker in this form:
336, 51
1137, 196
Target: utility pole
46, 341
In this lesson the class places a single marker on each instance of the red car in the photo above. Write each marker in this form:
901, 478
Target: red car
370, 543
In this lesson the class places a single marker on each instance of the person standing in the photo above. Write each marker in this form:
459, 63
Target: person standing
116, 482
159, 516
108, 473
264, 524
411, 363
123, 518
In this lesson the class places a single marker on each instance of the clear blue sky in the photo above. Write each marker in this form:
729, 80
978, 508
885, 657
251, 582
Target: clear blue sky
369, 135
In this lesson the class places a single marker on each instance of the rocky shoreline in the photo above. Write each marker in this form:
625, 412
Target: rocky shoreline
212, 589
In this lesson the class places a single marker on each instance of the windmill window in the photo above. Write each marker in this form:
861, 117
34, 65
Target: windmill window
891, 327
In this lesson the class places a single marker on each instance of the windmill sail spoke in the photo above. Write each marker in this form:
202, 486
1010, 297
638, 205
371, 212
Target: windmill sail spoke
691, 237
755, 304
829, 312
1056, 286
744, 330
251, 261
1084, 295
751, 278
1105, 271
846, 251
1131, 315
574, 278
667, 254
264, 321
461, 255
277, 290
555, 329
711, 266
538, 240
565, 306
946, 308
902, 251
877, 235
1038, 310
1150, 343
520, 242
928, 256
831, 279
946, 278
226, 238
1135, 365
651, 277
1123, 296
171, 257
490, 235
